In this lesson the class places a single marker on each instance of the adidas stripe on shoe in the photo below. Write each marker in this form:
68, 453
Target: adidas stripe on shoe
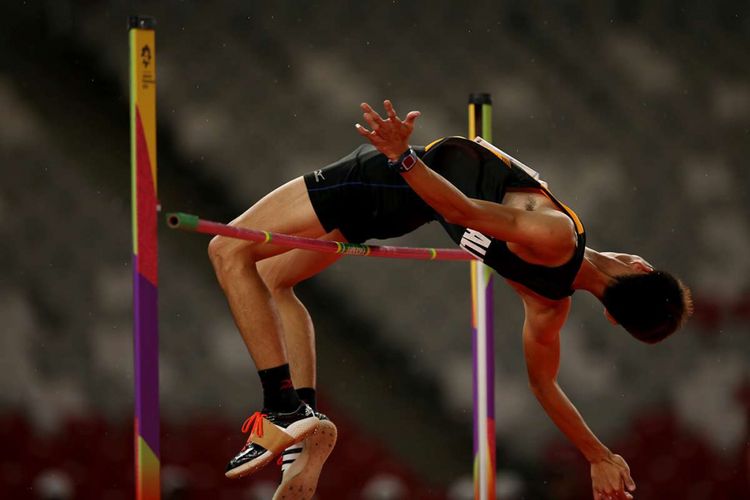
302, 463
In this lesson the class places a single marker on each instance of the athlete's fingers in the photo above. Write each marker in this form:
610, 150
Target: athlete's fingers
390, 111
628, 480
411, 118
622, 494
369, 111
600, 495
362, 130
608, 491
371, 121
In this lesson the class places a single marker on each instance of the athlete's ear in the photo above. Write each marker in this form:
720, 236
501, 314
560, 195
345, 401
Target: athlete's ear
610, 318
641, 265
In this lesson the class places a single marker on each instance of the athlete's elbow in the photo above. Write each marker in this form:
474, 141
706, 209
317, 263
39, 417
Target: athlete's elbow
534, 385
453, 216
541, 385
460, 214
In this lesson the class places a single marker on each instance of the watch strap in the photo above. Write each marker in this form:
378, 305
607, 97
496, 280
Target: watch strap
405, 162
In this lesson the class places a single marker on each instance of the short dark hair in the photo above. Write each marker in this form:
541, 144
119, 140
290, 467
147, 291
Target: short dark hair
649, 306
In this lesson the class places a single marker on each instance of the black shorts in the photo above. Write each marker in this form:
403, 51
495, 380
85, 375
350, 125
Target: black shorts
363, 198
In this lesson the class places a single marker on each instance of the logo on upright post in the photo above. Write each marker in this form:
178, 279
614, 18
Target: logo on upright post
146, 56
148, 77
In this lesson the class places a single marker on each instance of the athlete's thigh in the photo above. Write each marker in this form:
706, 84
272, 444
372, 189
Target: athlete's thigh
287, 210
290, 268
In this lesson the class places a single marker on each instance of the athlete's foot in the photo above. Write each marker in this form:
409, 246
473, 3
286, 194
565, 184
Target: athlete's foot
270, 433
301, 463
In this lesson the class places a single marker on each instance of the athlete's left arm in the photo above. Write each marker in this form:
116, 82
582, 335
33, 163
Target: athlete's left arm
545, 232
610, 474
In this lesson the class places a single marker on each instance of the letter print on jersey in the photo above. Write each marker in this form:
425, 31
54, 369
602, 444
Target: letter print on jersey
475, 243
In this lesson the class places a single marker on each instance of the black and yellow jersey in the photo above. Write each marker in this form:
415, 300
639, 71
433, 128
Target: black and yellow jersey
483, 173
364, 198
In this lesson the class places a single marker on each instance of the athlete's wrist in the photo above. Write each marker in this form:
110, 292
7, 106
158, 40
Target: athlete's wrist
405, 161
397, 151
598, 454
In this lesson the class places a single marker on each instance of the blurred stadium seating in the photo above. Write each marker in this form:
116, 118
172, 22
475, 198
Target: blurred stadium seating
636, 114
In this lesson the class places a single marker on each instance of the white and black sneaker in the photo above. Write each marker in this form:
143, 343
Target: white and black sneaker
270, 433
302, 463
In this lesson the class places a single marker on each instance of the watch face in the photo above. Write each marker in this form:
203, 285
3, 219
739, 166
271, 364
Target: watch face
408, 162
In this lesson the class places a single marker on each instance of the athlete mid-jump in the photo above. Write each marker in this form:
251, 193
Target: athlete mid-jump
488, 204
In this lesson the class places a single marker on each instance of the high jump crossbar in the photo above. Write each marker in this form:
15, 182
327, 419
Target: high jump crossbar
188, 222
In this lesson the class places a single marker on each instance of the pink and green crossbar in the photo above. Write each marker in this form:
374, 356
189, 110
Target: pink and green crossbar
193, 223
145, 255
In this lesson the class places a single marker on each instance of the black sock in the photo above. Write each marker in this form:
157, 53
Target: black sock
307, 394
278, 390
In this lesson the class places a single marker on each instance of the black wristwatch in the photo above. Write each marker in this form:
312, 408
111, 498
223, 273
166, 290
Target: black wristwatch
405, 162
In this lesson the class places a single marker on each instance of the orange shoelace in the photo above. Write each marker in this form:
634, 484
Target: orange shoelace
254, 425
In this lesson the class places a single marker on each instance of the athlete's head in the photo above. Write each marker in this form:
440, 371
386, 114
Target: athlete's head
650, 304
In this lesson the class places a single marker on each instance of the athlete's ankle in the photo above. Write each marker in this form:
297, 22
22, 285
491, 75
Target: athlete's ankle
278, 391
307, 394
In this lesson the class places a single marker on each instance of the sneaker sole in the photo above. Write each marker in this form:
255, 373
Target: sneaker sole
298, 430
300, 480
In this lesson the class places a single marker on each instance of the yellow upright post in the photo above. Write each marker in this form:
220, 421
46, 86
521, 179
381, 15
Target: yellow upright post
145, 255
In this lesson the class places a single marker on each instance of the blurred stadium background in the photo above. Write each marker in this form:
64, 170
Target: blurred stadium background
637, 113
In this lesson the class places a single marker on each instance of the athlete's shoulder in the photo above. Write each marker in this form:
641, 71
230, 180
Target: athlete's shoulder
542, 313
452, 139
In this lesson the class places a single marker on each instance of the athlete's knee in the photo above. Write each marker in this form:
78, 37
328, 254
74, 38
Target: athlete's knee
217, 252
228, 254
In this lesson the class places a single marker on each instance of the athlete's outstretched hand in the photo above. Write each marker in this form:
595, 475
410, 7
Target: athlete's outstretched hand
610, 479
389, 136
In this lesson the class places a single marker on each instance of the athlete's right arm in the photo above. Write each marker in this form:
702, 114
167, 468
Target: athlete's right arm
610, 475
547, 233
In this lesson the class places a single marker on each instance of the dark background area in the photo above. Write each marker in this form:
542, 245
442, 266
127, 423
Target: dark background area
636, 113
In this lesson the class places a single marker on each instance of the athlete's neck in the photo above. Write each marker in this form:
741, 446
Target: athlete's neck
595, 274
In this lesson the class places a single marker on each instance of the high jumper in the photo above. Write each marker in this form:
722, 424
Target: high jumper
493, 207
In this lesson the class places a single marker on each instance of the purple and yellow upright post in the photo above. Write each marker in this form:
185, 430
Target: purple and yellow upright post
145, 255
480, 123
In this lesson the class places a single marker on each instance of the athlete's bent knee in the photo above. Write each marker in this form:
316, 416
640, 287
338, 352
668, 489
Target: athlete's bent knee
215, 249
227, 254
